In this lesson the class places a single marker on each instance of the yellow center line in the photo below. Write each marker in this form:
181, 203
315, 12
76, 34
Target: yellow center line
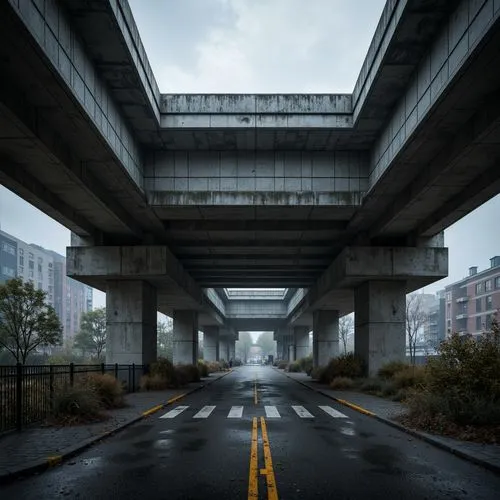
255, 392
272, 491
253, 483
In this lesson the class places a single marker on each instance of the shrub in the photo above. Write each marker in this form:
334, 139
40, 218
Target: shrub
153, 383
224, 365
202, 368
213, 366
294, 367
411, 376
107, 388
388, 389
283, 365
317, 373
371, 385
389, 370
346, 365
306, 364
401, 395
342, 383
164, 368
77, 404
187, 374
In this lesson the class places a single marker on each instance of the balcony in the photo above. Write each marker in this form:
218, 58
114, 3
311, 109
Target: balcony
462, 299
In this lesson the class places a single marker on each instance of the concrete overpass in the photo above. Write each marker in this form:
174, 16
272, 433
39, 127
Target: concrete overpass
342, 197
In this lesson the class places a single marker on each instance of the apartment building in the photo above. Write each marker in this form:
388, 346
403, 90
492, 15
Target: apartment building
472, 302
47, 270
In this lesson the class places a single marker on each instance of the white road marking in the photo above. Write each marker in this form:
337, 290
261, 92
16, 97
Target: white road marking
302, 412
235, 412
272, 412
332, 412
205, 412
176, 411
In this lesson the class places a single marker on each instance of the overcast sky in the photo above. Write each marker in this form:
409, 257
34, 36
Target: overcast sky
225, 46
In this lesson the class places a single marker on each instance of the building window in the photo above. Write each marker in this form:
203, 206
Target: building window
489, 303
487, 285
21, 251
50, 265
478, 323
8, 271
448, 296
31, 264
21, 260
479, 288
30, 274
39, 267
8, 248
497, 282
479, 303
489, 318
31, 256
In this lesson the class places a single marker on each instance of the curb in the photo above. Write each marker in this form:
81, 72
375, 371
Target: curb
38, 466
429, 439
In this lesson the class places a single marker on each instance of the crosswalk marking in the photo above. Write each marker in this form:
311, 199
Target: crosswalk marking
176, 411
205, 412
235, 412
332, 412
302, 412
272, 412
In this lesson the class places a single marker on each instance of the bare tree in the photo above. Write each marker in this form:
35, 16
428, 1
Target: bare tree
415, 320
346, 329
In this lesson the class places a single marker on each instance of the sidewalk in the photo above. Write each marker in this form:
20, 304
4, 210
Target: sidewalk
38, 447
487, 455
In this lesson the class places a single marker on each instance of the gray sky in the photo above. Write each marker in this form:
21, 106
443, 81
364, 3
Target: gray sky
260, 46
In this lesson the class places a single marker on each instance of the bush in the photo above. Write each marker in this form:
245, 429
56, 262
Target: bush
347, 365
388, 389
213, 366
164, 368
306, 364
294, 367
411, 376
372, 385
153, 383
107, 388
77, 404
342, 383
283, 365
186, 374
317, 373
202, 368
389, 370
401, 395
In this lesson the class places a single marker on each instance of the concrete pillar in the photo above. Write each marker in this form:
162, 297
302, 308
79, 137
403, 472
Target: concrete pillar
130, 322
291, 352
279, 348
301, 341
325, 336
380, 320
211, 343
185, 337
231, 348
223, 349
285, 355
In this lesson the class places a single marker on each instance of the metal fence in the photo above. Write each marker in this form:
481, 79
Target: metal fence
27, 391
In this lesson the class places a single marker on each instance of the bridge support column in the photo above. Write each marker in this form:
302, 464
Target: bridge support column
380, 319
185, 337
325, 336
211, 343
279, 348
232, 349
130, 322
223, 349
301, 341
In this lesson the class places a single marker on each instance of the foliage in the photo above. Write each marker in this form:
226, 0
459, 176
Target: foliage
317, 373
342, 383
346, 365
202, 368
165, 339
390, 369
107, 388
153, 383
283, 365
267, 343
77, 404
306, 364
213, 366
415, 320
92, 335
346, 329
185, 374
243, 345
163, 369
412, 376
372, 385
26, 320
294, 367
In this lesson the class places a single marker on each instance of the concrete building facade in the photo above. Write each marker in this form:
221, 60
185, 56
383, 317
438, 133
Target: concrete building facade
47, 270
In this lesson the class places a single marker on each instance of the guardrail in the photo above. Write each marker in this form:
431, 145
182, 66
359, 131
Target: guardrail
27, 391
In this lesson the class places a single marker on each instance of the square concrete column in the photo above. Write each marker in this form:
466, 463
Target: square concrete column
325, 336
279, 348
301, 341
130, 322
379, 323
185, 337
223, 349
231, 349
211, 343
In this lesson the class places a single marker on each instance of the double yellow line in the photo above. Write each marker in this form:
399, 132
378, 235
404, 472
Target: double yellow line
255, 392
268, 471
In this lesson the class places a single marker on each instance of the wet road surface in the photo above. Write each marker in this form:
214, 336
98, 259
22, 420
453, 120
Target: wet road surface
257, 434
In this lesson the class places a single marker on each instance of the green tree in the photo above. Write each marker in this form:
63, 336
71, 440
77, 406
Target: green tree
26, 320
92, 335
165, 339
266, 342
243, 345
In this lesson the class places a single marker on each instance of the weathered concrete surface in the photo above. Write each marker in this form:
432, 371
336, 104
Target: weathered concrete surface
325, 336
301, 341
185, 337
130, 322
211, 343
380, 323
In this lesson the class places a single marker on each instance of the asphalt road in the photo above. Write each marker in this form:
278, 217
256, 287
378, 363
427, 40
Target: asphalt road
258, 452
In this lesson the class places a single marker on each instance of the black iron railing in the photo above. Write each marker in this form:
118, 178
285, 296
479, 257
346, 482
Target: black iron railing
27, 391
